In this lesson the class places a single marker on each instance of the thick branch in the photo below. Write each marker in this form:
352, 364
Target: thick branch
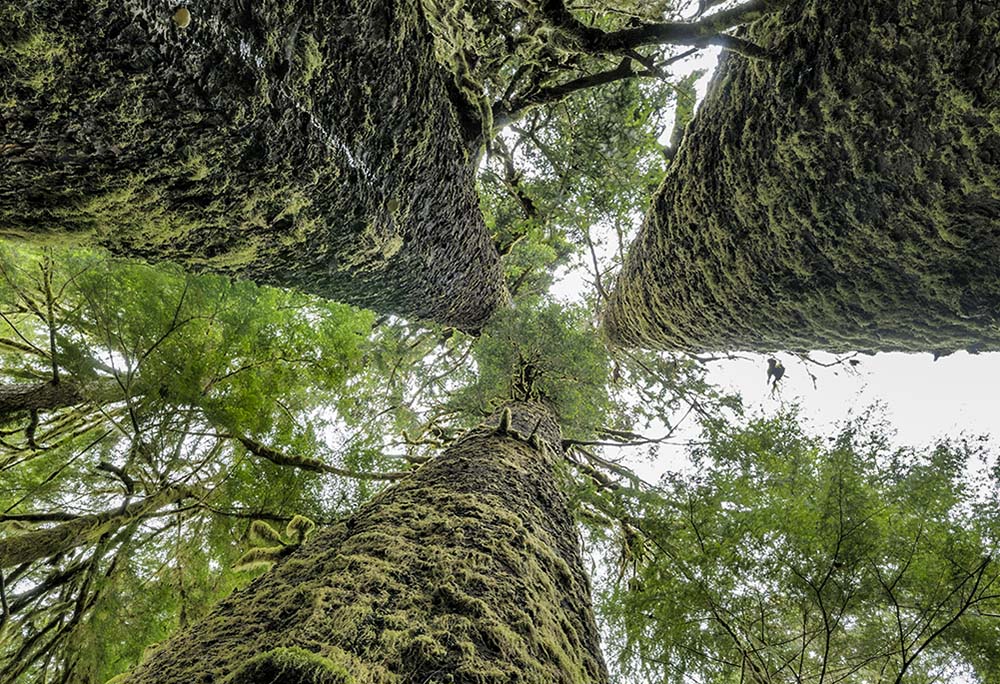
311, 464
504, 115
49, 315
18, 397
51, 541
707, 31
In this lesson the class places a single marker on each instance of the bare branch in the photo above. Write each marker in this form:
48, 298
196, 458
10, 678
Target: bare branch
310, 464
709, 30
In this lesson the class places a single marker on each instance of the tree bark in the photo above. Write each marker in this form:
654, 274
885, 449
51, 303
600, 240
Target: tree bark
845, 195
306, 143
19, 397
467, 572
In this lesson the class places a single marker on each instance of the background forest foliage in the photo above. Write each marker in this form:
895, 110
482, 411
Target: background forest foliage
148, 418
201, 405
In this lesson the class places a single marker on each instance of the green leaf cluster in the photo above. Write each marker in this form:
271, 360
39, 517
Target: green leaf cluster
172, 369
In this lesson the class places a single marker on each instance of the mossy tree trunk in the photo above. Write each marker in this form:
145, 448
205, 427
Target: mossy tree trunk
844, 196
467, 572
307, 143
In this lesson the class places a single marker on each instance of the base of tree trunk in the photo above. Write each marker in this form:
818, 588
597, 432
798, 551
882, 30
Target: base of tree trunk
303, 143
845, 196
467, 572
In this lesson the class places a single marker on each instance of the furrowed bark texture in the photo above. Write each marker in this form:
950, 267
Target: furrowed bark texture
302, 143
845, 196
467, 572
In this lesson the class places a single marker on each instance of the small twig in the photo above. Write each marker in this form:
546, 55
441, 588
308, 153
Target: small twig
3, 605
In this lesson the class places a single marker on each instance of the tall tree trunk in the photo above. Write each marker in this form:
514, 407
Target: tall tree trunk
844, 196
467, 572
308, 143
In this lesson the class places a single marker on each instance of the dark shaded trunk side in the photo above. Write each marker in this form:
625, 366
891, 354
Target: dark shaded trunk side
302, 143
467, 572
845, 196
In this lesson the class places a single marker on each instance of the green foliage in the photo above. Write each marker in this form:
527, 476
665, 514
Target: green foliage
572, 176
807, 560
559, 349
173, 369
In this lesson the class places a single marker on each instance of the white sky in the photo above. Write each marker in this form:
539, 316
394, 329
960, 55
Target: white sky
925, 399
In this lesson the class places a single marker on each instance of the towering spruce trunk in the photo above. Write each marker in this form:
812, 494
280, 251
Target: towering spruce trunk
467, 572
308, 143
844, 196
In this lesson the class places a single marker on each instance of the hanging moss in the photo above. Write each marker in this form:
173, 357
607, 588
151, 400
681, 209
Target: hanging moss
844, 196
308, 144
468, 572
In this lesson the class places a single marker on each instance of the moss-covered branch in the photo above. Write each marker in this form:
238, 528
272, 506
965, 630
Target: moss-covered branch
52, 541
706, 31
312, 464
18, 397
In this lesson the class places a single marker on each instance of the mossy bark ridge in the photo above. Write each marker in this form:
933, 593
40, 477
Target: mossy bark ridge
844, 196
303, 143
467, 572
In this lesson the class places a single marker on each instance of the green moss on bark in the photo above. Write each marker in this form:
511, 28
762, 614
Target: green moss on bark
307, 144
845, 196
290, 666
468, 572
